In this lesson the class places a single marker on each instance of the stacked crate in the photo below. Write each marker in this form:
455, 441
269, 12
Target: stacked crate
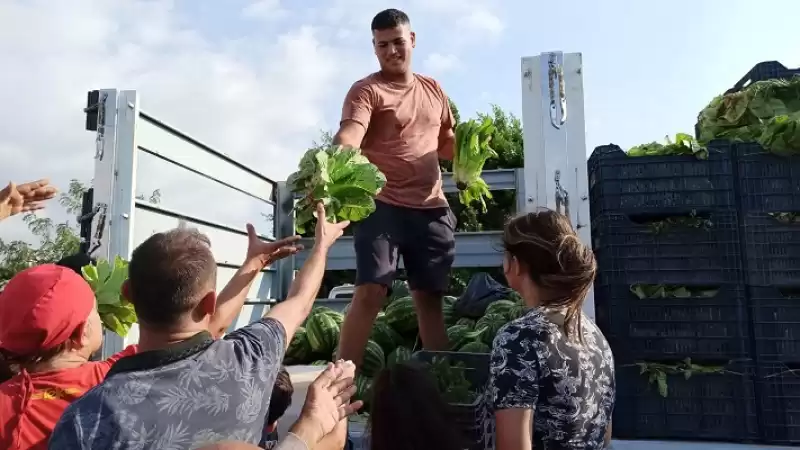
768, 187
673, 221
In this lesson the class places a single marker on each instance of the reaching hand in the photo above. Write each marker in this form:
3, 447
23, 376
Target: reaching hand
25, 197
269, 252
327, 233
328, 399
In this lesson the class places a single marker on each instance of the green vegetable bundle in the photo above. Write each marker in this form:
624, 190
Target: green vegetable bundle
767, 112
472, 151
684, 144
106, 281
339, 177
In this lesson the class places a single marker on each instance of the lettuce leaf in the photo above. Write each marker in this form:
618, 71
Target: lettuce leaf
341, 178
471, 153
116, 313
765, 111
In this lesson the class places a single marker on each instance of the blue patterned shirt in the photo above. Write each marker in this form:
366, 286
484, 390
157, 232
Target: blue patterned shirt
192, 394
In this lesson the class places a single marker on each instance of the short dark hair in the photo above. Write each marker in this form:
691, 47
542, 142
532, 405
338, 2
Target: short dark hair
389, 18
168, 275
281, 396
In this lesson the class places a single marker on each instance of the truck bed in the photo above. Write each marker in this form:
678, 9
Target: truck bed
302, 376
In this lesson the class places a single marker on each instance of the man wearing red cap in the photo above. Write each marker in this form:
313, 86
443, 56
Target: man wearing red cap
49, 327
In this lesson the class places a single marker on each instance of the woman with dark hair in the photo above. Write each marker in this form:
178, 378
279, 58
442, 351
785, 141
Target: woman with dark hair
408, 413
551, 375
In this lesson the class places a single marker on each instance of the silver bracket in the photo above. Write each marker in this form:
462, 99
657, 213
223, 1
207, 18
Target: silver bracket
555, 75
562, 196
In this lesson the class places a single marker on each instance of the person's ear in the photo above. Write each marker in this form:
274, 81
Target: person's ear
126, 290
208, 304
413, 40
82, 336
516, 266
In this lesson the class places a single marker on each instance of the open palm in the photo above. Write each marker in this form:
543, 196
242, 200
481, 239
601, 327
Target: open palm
267, 252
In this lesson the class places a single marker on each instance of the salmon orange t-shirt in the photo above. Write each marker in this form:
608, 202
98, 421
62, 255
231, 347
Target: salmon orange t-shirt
51, 393
404, 124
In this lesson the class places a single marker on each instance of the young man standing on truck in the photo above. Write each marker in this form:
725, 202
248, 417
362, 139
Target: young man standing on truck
403, 124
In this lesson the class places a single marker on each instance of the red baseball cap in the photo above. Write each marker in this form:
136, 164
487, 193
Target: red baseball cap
41, 307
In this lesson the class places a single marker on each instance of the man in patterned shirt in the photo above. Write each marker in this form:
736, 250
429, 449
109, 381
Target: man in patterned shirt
184, 389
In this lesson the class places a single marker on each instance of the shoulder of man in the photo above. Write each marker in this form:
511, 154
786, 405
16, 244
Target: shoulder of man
367, 81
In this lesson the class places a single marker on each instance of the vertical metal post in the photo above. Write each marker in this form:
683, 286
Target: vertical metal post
284, 227
554, 140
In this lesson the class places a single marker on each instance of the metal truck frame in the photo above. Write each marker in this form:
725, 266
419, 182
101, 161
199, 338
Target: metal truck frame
114, 220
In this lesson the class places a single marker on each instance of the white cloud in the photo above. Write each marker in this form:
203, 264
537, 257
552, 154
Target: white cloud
437, 63
483, 20
262, 101
268, 10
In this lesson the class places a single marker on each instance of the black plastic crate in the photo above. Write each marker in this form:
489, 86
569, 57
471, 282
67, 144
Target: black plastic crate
771, 250
779, 403
697, 327
767, 70
659, 184
467, 416
715, 407
766, 182
628, 252
776, 323
476, 365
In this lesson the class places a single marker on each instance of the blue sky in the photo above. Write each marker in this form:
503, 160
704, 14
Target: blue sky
258, 79
649, 66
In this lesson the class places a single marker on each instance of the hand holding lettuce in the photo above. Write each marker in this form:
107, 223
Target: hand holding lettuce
339, 177
116, 313
472, 151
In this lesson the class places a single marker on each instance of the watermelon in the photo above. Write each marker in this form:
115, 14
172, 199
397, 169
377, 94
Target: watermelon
299, 350
323, 332
475, 347
337, 317
385, 335
466, 321
374, 359
492, 323
401, 315
449, 314
399, 289
363, 389
516, 312
460, 335
399, 355
499, 307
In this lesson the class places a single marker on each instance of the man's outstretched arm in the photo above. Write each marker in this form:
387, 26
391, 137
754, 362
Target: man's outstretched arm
356, 116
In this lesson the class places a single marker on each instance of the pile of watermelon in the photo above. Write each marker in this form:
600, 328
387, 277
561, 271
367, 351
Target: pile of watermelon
395, 334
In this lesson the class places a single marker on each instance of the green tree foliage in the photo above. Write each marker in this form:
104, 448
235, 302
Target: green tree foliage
53, 241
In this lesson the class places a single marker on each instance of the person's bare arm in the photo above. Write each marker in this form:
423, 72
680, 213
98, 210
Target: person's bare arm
513, 429
350, 134
356, 115
260, 254
447, 136
608, 435
295, 308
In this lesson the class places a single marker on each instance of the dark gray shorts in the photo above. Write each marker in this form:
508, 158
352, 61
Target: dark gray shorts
423, 237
